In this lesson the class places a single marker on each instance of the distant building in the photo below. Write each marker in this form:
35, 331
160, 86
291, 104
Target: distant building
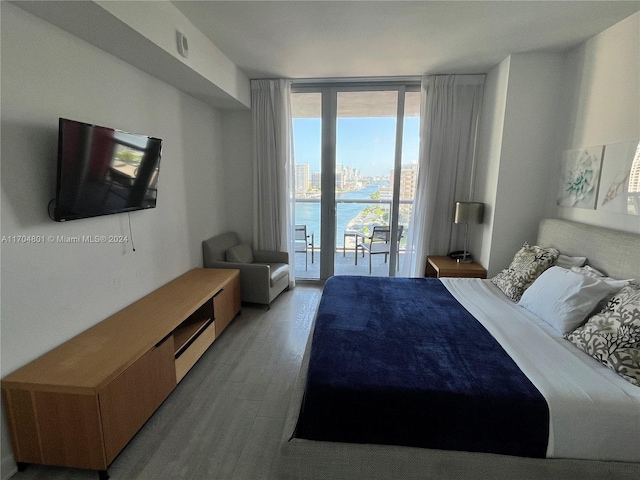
633, 198
408, 180
634, 175
315, 180
386, 193
302, 178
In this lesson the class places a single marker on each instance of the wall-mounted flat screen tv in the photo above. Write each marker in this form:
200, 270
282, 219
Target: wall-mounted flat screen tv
102, 171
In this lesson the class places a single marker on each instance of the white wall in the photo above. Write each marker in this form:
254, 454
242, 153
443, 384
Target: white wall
601, 93
240, 187
529, 148
488, 157
52, 291
144, 34
536, 106
158, 22
518, 146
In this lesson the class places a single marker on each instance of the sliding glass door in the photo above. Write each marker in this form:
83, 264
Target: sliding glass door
365, 159
307, 153
355, 150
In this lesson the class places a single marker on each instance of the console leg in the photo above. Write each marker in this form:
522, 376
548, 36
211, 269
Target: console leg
103, 475
22, 466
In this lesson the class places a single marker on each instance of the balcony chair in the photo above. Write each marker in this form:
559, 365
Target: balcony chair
356, 237
263, 274
303, 243
379, 243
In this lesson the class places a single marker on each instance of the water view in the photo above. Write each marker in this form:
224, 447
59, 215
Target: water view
309, 213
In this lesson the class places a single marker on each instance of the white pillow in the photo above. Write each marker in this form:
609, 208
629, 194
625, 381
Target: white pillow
564, 298
587, 270
568, 262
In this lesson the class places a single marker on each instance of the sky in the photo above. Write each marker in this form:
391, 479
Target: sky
367, 144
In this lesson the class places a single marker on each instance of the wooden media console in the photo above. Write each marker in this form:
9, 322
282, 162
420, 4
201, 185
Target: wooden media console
81, 403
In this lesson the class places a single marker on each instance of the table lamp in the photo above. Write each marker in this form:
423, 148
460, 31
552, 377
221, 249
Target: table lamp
466, 213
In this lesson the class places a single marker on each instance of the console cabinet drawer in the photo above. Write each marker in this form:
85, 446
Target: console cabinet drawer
191, 355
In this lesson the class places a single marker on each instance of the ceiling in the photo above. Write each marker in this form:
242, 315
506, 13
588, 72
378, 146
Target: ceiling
335, 39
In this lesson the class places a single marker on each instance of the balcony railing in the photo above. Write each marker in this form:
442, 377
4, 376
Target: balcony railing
344, 218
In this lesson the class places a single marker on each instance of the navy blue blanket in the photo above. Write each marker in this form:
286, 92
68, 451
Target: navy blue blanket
399, 361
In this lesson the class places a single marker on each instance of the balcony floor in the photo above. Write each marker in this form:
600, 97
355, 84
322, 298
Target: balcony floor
343, 265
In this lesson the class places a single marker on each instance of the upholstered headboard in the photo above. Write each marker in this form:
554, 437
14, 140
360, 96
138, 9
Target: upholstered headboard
612, 252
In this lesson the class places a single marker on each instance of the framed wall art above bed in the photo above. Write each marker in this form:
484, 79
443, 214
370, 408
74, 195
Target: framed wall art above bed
603, 177
620, 179
580, 177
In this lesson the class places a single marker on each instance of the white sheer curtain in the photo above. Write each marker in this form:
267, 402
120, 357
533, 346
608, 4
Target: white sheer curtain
449, 112
272, 146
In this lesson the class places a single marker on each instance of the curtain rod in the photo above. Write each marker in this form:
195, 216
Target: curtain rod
326, 82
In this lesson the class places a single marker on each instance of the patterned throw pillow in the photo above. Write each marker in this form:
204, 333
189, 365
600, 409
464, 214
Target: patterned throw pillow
613, 335
527, 265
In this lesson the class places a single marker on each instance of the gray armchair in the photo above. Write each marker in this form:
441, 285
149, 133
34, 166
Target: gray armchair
263, 274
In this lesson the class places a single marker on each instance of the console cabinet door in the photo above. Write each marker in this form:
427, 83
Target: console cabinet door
55, 428
128, 402
226, 304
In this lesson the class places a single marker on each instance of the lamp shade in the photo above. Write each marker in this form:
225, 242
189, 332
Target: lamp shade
469, 212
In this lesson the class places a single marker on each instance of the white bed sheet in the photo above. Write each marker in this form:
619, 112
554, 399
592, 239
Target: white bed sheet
594, 413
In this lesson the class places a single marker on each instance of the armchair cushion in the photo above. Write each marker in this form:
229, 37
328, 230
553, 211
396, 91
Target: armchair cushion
240, 254
265, 256
215, 249
278, 272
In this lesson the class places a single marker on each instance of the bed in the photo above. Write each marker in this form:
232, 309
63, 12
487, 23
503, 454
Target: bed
561, 413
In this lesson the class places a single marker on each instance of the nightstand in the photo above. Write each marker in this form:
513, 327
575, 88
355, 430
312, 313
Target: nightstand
443, 266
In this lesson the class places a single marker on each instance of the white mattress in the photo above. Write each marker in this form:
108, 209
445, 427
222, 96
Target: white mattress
594, 413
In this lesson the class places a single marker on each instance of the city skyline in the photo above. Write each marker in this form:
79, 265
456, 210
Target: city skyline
364, 144
306, 180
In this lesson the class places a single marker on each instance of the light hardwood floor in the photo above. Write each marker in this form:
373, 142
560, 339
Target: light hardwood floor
225, 419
